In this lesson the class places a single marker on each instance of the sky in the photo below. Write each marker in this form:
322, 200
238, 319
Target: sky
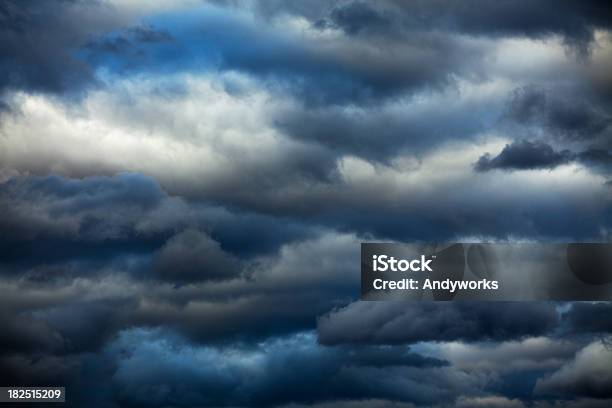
184, 186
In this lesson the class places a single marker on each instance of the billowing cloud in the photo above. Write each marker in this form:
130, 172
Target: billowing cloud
524, 155
184, 186
39, 43
589, 374
192, 256
261, 375
398, 322
529, 354
563, 116
575, 22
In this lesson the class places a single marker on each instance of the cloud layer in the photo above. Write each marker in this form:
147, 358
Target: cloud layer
184, 187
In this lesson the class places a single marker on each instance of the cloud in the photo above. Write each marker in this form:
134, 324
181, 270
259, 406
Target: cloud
192, 256
129, 44
245, 147
529, 354
206, 38
312, 60
270, 283
57, 219
184, 187
264, 375
356, 16
524, 155
574, 403
373, 403
27, 334
490, 402
588, 375
149, 367
586, 317
570, 117
574, 22
399, 322
566, 116
191, 294
404, 126
53, 218
39, 42
298, 61
599, 159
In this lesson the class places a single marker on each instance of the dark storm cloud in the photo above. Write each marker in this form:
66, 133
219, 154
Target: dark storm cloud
85, 326
388, 357
440, 221
524, 155
564, 116
334, 72
38, 42
575, 21
127, 46
100, 219
86, 320
125, 232
584, 317
212, 39
357, 16
41, 43
381, 134
271, 378
204, 288
598, 159
400, 322
192, 256
215, 312
55, 219
24, 333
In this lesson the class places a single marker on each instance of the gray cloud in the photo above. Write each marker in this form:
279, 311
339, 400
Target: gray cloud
38, 43
569, 117
400, 322
27, 334
356, 16
524, 155
527, 155
586, 317
192, 256
184, 186
573, 21
334, 373
386, 132
203, 297
589, 374
490, 402
58, 219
